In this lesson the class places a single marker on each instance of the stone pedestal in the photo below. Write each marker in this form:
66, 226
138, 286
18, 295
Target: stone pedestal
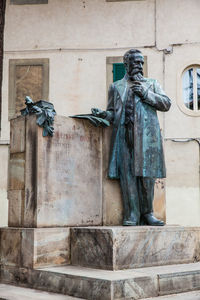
55, 181
56, 204
135, 283
116, 248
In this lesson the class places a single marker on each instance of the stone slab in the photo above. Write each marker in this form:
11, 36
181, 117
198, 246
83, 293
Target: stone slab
116, 248
32, 248
170, 283
83, 283
10, 292
103, 284
10, 247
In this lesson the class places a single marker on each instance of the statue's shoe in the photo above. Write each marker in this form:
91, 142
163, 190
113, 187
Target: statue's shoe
149, 219
129, 223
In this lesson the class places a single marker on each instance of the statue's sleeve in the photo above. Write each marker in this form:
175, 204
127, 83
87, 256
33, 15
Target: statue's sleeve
110, 106
157, 98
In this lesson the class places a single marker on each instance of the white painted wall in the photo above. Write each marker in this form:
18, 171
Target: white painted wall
77, 36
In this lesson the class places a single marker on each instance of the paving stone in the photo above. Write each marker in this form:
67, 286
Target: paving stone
8, 292
182, 296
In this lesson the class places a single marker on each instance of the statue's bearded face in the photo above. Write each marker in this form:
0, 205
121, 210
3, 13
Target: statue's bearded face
134, 66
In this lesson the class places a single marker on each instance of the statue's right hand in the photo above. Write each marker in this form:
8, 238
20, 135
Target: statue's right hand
97, 112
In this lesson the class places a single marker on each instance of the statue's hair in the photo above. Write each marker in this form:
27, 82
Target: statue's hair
129, 53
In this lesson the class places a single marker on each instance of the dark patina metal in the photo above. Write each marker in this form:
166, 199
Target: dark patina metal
45, 113
96, 121
136, 153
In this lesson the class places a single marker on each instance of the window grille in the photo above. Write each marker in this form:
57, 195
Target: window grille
191, 88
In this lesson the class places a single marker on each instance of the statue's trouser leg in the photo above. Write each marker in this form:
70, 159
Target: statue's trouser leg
131, 202
146, 193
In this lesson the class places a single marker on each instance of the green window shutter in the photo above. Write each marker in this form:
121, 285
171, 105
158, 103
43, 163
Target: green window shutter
118, 71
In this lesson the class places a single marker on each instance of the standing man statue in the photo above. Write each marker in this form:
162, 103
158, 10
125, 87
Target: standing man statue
136, 153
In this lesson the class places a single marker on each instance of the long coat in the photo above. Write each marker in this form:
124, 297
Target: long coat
148, 148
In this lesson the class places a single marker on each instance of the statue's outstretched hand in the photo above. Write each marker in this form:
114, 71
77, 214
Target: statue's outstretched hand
97, 112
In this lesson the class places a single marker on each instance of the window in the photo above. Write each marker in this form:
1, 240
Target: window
118, 71
115, 69
191, 88
27, 77
22, 2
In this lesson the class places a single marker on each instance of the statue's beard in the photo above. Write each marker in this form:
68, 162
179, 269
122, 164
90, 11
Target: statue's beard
136, 75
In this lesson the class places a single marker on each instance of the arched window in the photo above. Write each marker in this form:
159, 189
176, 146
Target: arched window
191, 88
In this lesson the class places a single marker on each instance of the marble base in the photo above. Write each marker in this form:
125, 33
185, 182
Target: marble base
115, 248
107, 285
32, 248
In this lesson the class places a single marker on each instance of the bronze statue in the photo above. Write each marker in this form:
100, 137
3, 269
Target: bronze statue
45, 113
136, 153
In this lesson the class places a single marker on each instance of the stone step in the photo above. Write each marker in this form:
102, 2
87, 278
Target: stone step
182, 296
116, 248
9, 292
107, 285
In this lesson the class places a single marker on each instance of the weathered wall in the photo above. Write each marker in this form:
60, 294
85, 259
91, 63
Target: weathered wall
182, 155
77, 37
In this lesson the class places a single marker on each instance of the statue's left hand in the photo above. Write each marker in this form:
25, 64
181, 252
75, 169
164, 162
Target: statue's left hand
97, 112
140, 89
